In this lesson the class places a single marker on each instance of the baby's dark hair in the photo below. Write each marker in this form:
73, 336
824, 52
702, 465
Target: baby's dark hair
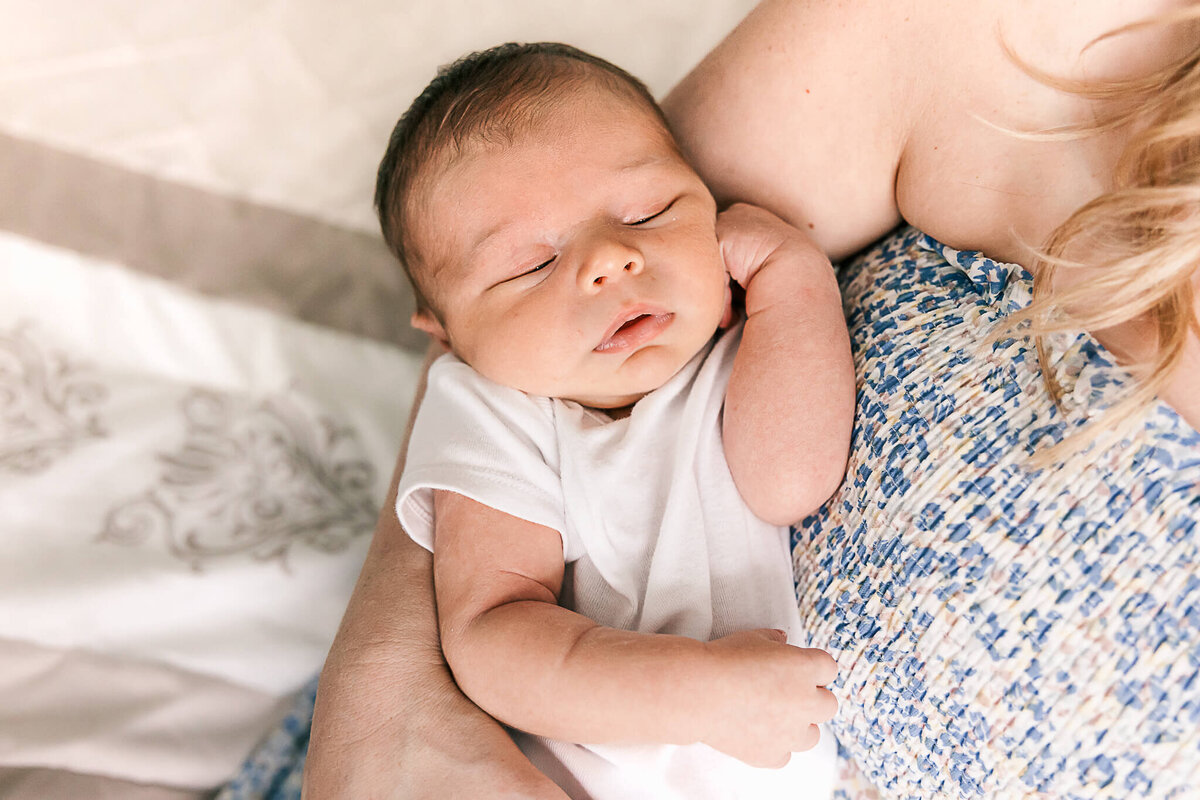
488, 96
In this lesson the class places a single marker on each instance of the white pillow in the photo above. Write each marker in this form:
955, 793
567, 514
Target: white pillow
187, 489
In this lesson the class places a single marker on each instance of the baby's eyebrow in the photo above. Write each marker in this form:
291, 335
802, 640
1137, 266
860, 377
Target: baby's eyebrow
487, 235
500, 227
648, 161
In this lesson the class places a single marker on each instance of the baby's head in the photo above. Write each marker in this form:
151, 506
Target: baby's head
556, 239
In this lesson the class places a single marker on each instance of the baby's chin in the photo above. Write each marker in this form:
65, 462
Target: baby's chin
637, 381
617, 398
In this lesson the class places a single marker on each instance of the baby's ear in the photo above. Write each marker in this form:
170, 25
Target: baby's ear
424, 320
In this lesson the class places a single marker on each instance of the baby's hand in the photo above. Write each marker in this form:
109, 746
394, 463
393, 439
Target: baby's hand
767, 698
750, 236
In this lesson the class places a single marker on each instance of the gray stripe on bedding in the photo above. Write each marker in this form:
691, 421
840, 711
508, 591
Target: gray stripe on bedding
54, 784
218, 245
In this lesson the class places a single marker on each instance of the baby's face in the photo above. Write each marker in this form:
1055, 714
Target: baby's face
580, 261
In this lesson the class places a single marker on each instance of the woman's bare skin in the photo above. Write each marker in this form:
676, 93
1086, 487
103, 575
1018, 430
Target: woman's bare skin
844, 117
878, 112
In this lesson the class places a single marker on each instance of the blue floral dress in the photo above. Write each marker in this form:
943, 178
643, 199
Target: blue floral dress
1001, 630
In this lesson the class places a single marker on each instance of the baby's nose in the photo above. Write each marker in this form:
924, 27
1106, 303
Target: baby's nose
608, 262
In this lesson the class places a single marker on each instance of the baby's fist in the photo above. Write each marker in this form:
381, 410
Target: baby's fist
750, 236
770, 699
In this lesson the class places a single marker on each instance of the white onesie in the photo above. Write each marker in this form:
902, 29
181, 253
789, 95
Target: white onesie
655, 536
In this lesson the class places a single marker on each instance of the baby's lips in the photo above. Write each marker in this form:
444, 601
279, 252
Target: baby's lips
635, 327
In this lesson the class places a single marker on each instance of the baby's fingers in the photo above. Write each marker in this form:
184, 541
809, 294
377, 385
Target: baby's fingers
777, 751
747, 235
773, 757
807, 739
824, 705
819, 667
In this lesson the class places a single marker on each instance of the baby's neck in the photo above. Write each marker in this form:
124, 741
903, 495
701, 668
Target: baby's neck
618, 413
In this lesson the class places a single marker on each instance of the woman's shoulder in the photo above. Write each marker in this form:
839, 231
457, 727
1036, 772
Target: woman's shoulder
964, 174
844, 116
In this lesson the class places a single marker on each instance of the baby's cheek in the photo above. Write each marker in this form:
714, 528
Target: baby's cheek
535, 360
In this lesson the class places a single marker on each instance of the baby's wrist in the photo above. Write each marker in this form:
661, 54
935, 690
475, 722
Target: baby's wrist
709, 714
688, 714
788, 278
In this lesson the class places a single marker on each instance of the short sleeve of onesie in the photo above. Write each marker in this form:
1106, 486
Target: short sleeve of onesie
488, 442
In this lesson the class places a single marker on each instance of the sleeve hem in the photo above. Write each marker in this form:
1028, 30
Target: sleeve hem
498, 490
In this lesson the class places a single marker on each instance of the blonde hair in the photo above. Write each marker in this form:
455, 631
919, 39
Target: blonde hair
1142, 237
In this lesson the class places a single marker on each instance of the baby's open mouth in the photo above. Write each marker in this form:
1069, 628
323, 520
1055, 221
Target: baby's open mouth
635, 331
631, 322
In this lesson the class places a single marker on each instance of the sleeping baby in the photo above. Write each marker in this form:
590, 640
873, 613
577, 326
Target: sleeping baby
605, 462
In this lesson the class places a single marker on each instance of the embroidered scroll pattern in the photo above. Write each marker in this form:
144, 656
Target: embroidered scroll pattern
252, 478
48, 403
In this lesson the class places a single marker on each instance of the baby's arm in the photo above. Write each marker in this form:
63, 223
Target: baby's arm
789, 407
549, 671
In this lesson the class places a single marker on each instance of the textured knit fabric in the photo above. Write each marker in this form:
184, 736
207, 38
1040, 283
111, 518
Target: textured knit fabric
1002, 630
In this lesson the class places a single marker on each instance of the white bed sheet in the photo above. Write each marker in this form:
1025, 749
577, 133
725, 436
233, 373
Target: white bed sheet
185, 482
204, 363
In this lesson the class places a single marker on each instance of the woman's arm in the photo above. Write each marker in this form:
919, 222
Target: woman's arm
389, 721
789, 407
